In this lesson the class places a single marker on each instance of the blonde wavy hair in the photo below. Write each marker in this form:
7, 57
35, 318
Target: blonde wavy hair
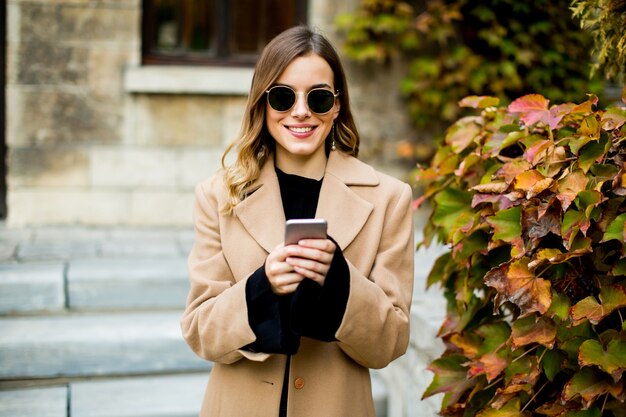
254, 144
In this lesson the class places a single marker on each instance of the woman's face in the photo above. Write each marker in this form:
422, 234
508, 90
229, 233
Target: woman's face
299, 132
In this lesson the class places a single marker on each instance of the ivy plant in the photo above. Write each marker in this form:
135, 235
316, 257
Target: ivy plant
456, 48
531, 200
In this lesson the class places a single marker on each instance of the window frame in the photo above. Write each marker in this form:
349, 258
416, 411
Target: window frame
149, 56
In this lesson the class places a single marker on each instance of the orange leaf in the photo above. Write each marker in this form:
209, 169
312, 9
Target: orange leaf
587, 106
570, 186
512, 169
516, 283
469, 345
527, 179
489, 364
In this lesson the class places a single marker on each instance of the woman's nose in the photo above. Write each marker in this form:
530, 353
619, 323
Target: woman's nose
300, 108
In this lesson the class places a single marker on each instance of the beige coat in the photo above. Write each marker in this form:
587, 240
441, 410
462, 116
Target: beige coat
369, 216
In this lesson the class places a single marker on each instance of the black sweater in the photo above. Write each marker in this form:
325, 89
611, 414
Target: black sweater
312, 310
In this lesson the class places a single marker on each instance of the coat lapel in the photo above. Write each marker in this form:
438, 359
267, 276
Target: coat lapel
262, 215
345, 211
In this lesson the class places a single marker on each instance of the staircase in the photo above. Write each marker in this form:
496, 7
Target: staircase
89, 325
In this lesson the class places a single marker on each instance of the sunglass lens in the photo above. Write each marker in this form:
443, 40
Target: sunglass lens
281, 98
321, 101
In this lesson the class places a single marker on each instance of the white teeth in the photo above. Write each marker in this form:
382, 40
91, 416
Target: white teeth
300, 129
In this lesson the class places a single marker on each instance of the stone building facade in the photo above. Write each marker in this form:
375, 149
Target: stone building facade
95, 138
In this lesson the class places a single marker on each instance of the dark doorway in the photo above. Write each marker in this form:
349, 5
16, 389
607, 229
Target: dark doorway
3, 143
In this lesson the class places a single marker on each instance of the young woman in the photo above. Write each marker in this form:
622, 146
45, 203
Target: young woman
293, 329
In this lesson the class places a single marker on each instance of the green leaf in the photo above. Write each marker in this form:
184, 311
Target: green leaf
450, 377
473, 244
612, 360
590, 384
507, 224
437, 272
592, 412
510, 409
573, 222
452, 211
494, 335
593, 151
551, 362
511, 139
611, 296
619, 268
560, 306
587, 200
615, 229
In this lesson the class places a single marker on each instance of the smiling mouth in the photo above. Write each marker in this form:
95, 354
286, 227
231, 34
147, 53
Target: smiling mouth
300, 129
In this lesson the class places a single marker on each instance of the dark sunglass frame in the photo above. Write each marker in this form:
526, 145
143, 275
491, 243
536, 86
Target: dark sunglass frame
295, 96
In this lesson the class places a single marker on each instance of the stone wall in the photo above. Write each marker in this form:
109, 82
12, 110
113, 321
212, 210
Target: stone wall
96, 139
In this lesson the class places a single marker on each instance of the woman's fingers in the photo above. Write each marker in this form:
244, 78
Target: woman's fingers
286, 283
287, 266
281, 276
311, 258
321, 250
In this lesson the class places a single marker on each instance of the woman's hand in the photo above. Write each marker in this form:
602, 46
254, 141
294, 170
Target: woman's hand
287, 266
281, 276
311, 258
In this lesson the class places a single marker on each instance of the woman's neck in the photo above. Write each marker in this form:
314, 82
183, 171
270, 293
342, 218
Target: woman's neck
309, 166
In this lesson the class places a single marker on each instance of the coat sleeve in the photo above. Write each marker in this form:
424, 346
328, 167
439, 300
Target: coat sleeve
215, 322
375, 326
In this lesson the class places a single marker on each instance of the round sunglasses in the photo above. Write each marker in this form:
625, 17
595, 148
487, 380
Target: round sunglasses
282, 98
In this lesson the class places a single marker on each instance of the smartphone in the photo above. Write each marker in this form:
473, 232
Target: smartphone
296, 229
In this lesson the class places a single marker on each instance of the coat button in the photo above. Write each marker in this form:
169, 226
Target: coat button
299, 383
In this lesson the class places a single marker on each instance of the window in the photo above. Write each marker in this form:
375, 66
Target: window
222, 32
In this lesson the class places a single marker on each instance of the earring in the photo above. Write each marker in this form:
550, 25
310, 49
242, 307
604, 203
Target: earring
332, 135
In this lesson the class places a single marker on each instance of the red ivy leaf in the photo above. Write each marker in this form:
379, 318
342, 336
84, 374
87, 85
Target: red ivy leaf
532, 108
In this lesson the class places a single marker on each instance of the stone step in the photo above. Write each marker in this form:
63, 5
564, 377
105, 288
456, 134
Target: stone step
32, 287
34, 402
127, 283
153, 396
93, 284
94, 345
